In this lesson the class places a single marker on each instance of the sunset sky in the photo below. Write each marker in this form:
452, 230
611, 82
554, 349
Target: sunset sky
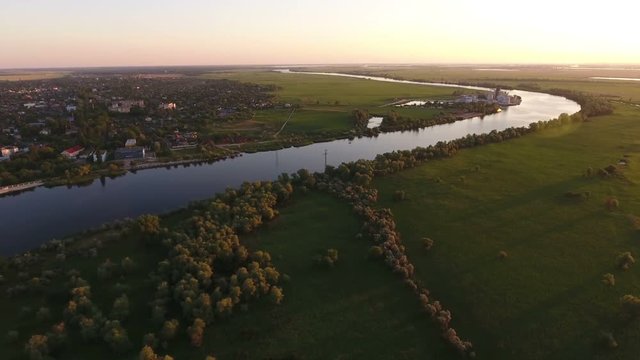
68, 33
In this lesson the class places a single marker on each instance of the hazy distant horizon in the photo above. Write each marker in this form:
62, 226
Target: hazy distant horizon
585, 66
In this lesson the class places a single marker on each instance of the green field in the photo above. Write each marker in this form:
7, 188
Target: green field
543, 77
546, 300
356, 310
8, 75
327, 102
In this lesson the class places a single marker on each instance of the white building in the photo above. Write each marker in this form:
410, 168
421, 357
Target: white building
124, 106
7, 151
167, 106
130, 143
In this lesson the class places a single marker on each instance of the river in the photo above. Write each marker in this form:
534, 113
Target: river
28, 219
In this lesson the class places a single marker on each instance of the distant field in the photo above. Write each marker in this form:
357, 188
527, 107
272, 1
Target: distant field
327, 102
36, 75
545, 77
546, 300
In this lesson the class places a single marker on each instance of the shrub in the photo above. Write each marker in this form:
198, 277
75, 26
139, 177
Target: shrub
43, 314
611, 203
120, 288
12, 336
503, 255
127, 265
399, 195
630, 306
607, 340
375, 252
609, 279
427, 243
625, 260
328, 259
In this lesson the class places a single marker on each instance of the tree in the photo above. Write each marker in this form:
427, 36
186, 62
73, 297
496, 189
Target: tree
149, 224
147, 353
224, 306
169, 329
116, 336
151, 340
361, 118
276, 295
120, 309
37, 348
196, 332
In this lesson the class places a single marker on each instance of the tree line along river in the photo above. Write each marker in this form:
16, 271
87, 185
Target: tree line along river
28, 219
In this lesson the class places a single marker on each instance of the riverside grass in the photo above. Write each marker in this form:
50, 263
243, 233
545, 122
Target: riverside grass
546, 300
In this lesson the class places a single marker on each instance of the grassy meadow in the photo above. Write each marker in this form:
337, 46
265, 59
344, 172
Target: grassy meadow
546, 300
17, 75
355, 310
327, 102
542, 77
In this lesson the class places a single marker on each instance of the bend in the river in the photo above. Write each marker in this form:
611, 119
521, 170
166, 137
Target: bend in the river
31, 218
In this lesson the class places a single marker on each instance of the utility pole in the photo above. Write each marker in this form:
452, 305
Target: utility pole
325, 158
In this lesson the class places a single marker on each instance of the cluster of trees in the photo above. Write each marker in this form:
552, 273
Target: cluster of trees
39, 162
208, 272
361, 118
349, 182
591, 105
326, 259
41, 347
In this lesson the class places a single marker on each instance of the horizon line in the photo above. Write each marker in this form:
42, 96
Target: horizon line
364, 64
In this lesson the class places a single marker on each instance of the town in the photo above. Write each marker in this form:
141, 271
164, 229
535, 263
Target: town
70, 126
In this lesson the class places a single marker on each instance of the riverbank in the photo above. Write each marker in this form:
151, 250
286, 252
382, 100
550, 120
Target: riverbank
20, 187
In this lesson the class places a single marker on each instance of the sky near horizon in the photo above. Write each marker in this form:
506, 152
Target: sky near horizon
74, 33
